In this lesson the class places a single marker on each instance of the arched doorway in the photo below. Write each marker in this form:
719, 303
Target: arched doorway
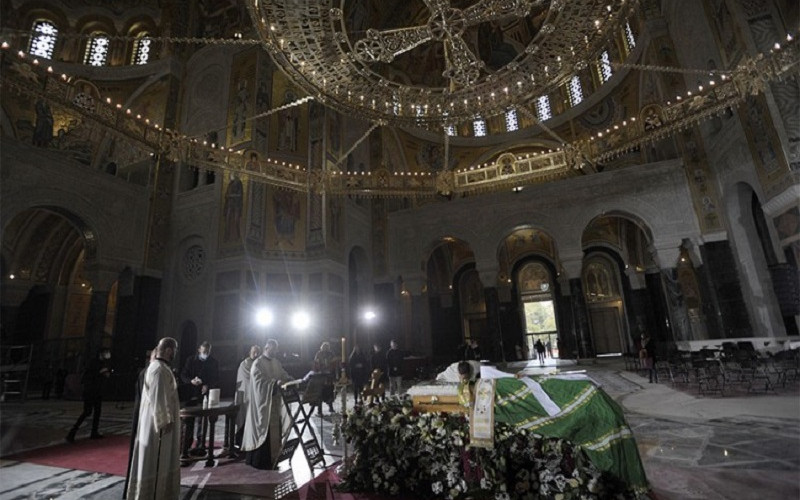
537, 304
447, 269
604, 301
47, 295
620, 283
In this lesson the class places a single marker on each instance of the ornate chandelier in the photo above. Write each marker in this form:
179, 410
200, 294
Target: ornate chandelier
434, 63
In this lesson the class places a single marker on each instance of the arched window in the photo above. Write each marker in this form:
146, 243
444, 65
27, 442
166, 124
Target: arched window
43, 39
600, 280
479, 126
604, 67
630, 39
97, 50
141, 49
512, 123
575, 91
543, 111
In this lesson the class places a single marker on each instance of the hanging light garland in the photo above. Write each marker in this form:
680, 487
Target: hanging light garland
751, 77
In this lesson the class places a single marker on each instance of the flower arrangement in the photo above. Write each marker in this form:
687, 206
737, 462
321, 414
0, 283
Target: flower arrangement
426, 455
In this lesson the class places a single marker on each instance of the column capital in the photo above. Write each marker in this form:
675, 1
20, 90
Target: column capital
413, 284
100, 276
571, 266
488, 275
666, 254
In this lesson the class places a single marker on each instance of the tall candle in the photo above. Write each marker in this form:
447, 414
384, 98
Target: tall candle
344, 360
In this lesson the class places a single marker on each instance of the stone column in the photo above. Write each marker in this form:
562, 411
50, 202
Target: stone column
496, 348
415, 314
578, 337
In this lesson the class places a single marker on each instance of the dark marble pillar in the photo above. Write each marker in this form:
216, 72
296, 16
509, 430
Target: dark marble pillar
497, 348
656, 311
721, 277
580, 319
95, 322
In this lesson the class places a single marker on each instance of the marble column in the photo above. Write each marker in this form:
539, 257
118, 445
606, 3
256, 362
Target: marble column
415, 314
577, 339
580, 320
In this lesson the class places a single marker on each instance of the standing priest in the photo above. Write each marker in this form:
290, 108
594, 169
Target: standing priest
242, 397
155, 463
267, 421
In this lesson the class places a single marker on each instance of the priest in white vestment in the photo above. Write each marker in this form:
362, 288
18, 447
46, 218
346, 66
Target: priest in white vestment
267, 421
242, 397
155, 464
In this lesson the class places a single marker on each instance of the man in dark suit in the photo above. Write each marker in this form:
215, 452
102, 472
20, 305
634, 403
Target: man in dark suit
94, 378
199, 374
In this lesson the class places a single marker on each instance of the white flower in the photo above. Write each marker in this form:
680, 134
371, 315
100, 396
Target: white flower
437, 487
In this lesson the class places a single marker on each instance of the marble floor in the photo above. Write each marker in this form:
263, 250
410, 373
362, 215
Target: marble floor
738, 447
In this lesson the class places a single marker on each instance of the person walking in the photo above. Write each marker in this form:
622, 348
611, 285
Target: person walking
539, 347
155, 462
94, 378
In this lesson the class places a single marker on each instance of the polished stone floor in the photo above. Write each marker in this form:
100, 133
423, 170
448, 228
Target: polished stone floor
745, 446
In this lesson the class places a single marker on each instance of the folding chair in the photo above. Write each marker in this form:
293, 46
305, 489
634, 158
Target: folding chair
301, 433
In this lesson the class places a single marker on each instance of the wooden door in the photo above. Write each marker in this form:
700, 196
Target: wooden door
606, 330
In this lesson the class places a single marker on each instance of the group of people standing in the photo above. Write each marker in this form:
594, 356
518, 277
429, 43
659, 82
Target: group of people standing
359, 368
156, 448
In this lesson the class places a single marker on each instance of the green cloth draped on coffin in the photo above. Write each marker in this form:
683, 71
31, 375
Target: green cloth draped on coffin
588, 417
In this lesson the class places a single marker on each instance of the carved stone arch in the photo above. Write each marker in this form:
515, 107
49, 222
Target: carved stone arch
30, 14
94, 23
593, 235
521, 243
138, 23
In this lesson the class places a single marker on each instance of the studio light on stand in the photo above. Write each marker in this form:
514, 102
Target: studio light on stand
263, 317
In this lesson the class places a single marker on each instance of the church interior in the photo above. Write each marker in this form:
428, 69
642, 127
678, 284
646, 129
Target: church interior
430, 172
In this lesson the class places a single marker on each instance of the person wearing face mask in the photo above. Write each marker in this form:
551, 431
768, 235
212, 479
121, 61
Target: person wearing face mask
199, 374
98, 370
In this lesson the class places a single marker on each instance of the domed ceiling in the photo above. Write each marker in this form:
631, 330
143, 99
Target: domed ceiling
434, 63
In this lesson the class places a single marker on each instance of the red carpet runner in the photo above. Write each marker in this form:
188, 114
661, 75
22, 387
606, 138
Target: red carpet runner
108, 455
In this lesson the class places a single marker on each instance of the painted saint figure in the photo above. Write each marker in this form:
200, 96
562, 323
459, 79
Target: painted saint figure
233, 209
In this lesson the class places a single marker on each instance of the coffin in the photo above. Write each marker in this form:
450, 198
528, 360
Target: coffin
436, 396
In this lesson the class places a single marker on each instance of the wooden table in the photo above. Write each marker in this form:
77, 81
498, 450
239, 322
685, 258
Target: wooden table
208, 418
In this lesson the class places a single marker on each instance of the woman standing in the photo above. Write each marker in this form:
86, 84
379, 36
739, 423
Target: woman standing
358, 369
